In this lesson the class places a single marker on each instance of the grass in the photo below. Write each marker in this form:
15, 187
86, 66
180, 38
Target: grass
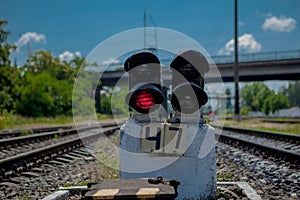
225, 176
281, 120
24, 133
266, 125
55, 137
286, 125
23, 196
16, 121
10, 121
84, 183
110, 157
218, 193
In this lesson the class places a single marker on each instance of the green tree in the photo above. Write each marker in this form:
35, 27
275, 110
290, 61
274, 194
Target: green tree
43, 95
118, 101
275, 102
228, 98
9, 75
292, 92
253, 95
245, 111
76, 63
46, 88
113, 101
106, 103
43, 61
83, 101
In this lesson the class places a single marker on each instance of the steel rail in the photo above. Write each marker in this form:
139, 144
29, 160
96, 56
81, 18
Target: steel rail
19, 132
47, 135
24, 160
267, 134
9, 133
288, 155
42, 136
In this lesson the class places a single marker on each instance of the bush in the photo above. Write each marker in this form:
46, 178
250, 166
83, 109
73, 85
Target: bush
245, 111
43, 95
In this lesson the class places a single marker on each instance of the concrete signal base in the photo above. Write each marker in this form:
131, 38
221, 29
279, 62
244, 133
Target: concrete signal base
195, 168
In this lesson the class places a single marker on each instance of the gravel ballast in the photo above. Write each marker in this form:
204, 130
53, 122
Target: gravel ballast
270, 179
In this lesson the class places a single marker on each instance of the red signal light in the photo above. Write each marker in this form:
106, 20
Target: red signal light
144, 82
144, 97
144, 100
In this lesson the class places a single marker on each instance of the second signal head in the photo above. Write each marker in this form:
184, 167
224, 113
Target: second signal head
188, 69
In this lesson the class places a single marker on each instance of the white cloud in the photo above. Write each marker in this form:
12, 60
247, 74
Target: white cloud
111, 60
282, 24
68, 56
30, 37
246, 42
77, 54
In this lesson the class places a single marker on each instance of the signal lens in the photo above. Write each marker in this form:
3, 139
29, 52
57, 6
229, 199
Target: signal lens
144, 98
188, 98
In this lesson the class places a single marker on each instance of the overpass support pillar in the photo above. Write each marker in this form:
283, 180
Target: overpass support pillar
98, 99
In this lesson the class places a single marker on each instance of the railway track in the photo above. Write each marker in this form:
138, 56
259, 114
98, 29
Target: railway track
23, 164
16, 145
278, 145
10, 133
18, 162
29, 131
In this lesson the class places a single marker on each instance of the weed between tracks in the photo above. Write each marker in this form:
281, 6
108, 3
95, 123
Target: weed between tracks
224, 176
107, 155
105, 167
84, 183
261, 124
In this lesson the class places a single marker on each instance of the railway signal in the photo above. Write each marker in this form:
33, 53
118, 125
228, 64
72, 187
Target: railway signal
144, 82
181, 149
188, 69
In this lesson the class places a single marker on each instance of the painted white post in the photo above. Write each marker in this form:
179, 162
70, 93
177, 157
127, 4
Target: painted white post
195, 169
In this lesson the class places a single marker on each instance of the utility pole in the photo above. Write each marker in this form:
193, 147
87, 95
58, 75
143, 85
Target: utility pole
155, 34
145, 28
236, 64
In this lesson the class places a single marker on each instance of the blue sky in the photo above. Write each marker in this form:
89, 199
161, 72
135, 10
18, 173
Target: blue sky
76, 27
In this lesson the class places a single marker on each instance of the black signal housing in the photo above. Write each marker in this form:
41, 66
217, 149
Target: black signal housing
144, 82
188, 69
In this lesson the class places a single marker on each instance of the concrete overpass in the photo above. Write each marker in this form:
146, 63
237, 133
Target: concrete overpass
287, 69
